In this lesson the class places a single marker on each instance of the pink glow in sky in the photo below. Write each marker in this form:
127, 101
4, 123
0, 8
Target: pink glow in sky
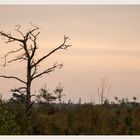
105, 43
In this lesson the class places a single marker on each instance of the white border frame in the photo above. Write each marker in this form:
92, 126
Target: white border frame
72, 2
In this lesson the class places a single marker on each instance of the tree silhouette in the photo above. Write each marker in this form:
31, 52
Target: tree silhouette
58, 92
26, 51
46, 95
103, 88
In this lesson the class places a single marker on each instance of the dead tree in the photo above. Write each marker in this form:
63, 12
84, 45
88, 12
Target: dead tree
26, 51
103, 88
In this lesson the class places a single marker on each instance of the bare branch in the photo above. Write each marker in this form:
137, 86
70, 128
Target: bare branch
20, 90
62, 46
10, 37
32, 24
18, 30
12, 77
30, 32
20, 57
11, 52
35, 36
49, 70
35, 45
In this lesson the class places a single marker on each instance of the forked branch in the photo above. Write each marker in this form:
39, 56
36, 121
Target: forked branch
49, 70
62, 46
10, 37
11, 52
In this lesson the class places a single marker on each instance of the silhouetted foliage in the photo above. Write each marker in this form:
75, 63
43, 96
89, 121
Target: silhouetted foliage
46, 96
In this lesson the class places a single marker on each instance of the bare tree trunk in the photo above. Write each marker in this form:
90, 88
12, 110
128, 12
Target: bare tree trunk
28, 92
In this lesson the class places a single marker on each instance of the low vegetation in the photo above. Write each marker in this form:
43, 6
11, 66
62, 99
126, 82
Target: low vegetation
120, 117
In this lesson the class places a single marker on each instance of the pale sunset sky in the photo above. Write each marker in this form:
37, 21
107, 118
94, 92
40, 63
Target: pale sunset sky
105, 43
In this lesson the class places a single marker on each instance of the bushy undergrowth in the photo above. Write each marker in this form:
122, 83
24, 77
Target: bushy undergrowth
8, 124
70, 119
